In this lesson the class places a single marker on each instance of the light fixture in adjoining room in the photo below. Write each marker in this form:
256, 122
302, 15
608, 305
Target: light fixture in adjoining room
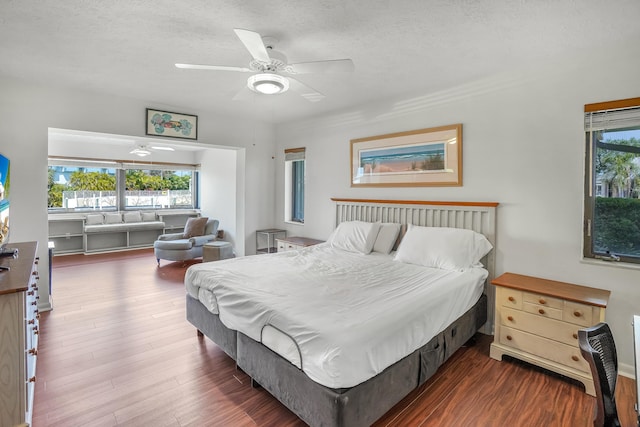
144, 150
140, 151
268, 83
162, 148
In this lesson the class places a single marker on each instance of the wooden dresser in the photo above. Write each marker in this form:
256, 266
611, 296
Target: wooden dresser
537, 320
18, 335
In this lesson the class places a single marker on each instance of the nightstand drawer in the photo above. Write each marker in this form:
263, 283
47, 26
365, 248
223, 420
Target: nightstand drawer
548, 349
534, 324
543, 300
295, 243
509, 298
579, 314
539, 310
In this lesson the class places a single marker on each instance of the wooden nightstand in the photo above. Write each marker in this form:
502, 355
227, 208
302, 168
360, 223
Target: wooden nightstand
537, 320
295, 243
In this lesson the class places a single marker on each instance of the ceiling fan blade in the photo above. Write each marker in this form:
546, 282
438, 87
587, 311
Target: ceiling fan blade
253, 42
213, 67
305, 91
331, 66
245, 94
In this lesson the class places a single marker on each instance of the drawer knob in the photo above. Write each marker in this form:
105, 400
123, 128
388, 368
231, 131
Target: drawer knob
575, 358
32, 379
510, 318
541, 311
31, 322
575, 336
34, 303
512, 299
542, 301
33, 352
509, 337
577, 313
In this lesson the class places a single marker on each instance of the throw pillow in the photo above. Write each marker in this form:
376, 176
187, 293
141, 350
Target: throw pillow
148, 216
94, 219
195, 227
112, 218
132, 216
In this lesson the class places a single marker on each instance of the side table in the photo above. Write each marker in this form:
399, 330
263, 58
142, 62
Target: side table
217, 250
266, 240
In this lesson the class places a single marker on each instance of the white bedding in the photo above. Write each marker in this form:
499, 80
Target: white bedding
351, 315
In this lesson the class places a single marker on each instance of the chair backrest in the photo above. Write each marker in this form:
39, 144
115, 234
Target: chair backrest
211, 227
599, 350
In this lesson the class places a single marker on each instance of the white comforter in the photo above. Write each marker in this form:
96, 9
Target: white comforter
351, 315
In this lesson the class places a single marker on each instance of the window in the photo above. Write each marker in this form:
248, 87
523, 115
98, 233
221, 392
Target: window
294, 185
612, 181
158, 189
81, 185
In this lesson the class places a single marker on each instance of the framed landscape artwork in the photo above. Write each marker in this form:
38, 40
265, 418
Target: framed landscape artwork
423, 157
173, 125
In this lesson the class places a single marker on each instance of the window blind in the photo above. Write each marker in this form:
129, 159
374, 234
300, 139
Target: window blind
291, 154
614, 115
119, 164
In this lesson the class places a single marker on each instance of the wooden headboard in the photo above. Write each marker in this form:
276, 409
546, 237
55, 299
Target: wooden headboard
476, 216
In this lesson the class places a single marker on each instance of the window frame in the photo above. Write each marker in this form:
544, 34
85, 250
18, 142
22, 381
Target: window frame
295, 185
121, 167
599, 110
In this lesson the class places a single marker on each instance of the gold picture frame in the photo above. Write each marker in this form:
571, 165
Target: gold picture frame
417, 158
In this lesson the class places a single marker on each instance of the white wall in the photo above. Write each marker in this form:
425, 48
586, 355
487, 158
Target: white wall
523, 146
29, 110
220, 193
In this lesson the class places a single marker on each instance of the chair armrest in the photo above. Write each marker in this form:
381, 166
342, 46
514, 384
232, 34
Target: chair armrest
201, 240
171, 236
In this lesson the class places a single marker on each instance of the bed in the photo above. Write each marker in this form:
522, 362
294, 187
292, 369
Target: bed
338, 332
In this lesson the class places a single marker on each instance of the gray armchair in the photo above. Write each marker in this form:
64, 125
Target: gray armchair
179, 247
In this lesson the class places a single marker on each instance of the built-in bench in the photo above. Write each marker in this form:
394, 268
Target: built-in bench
108, 231
115, 230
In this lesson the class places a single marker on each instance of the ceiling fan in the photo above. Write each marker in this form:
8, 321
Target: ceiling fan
268, 65
144, 150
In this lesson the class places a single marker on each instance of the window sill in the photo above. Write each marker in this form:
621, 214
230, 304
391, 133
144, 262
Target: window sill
614, 264
294, 223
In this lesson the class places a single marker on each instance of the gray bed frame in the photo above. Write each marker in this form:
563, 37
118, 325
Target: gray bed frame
363, 404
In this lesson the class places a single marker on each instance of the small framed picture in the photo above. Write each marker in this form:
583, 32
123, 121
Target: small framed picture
172, 125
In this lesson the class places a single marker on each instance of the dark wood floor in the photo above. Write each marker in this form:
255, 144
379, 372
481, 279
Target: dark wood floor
117, 350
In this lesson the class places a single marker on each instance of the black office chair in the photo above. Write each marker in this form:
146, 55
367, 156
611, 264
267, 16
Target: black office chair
599, 349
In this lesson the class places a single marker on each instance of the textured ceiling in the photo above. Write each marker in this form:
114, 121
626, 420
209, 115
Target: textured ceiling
399, 48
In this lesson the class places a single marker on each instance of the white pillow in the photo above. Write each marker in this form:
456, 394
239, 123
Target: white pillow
355, 236
148, 216
112, 218
387, 237
132, 216
94, 219
442, 247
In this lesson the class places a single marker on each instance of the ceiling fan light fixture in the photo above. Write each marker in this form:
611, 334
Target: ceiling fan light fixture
268, 84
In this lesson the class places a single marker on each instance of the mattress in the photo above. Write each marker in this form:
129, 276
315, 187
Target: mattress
341, 317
